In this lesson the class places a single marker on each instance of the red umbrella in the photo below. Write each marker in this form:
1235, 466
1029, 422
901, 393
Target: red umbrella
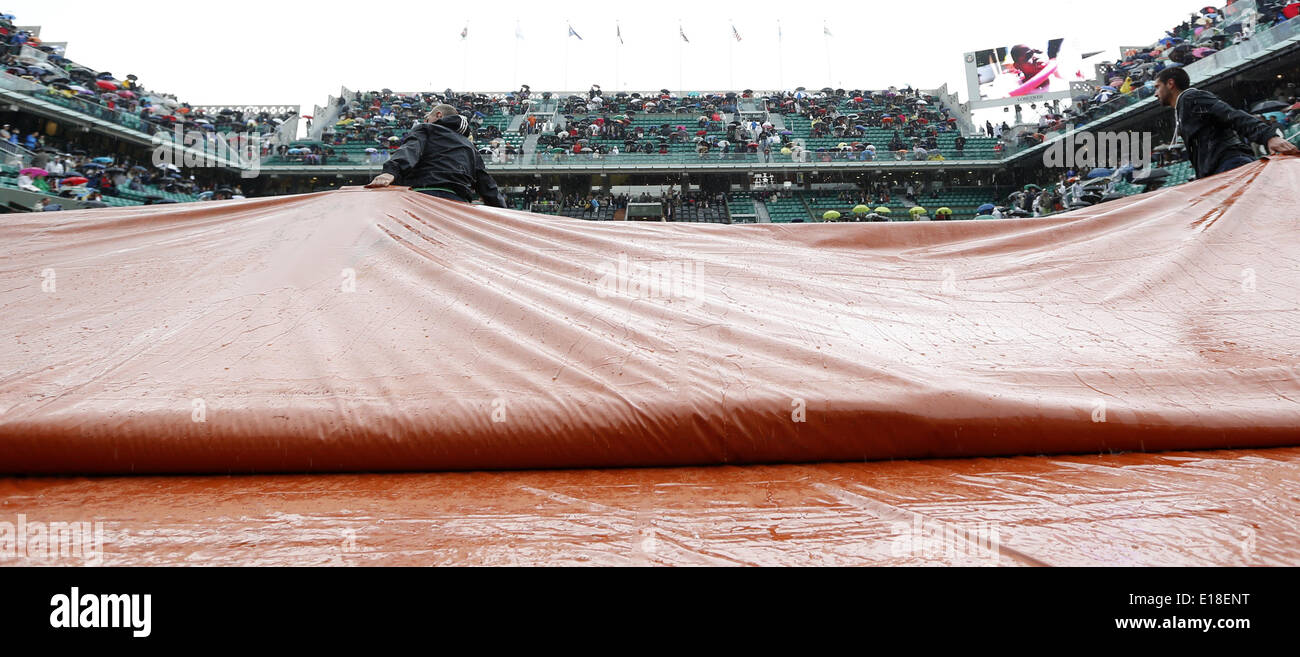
75, 181
106, 85
1293, 107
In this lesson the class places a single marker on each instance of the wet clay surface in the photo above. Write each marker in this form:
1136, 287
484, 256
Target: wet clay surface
1186, 509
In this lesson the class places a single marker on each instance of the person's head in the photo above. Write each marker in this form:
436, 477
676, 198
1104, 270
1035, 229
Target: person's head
1026, 59
1171, 83
440, 112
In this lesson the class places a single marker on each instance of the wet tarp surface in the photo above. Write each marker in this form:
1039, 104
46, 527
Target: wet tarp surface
385, 330
1205, 508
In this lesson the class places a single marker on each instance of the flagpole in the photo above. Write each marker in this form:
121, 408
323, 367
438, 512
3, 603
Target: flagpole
780, 55
516, 81
731, 60
568, 26
681, 89
826, 40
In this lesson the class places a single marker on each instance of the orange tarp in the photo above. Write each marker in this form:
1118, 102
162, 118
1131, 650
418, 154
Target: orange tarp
387, 330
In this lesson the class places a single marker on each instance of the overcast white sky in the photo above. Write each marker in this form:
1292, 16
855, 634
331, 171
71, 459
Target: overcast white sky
272, 52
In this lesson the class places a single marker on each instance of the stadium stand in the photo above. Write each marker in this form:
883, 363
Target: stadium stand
901, 127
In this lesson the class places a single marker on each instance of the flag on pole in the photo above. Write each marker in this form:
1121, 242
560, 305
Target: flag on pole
519, 34
619, 30
464, 33
683, 33
735, 33
572, 33
826, 30
778, 30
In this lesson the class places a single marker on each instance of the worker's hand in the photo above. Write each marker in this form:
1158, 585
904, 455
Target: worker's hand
382, 180
1281, 146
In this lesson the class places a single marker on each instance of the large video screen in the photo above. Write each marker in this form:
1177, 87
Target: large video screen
1027, 71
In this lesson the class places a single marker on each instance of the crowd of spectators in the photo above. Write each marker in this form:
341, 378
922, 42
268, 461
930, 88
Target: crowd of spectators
67, 170
379, 119
1201, 35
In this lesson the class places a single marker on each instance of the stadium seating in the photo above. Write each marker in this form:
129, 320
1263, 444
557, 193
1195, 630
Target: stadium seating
787, 209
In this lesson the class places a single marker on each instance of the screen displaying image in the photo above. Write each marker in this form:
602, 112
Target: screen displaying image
1029, 68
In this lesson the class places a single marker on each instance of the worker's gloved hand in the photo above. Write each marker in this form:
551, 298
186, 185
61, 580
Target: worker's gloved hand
1282, 147
382, 180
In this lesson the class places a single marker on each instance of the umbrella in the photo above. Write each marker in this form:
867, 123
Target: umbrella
103, 160
917, 210
986, 208
883, 210
831, 215
1293, 107
1269, 106
114, 170
34, 172
1031, 186
943, 211
73, 182
861, 209
106, 85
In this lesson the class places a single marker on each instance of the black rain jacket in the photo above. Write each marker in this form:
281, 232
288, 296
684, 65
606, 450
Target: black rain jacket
437, 155
1212, 130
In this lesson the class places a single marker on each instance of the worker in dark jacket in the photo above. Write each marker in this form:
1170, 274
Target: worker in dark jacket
1212, 130
437, 158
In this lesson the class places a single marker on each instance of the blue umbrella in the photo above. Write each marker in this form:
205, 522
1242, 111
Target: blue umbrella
1110, 89
1101, 172
986, 208
103, 160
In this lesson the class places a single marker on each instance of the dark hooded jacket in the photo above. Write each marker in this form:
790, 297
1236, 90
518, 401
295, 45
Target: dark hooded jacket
441, 155
1213, 130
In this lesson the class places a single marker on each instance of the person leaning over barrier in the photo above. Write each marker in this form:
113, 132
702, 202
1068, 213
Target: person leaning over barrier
436, 158
1211, 129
